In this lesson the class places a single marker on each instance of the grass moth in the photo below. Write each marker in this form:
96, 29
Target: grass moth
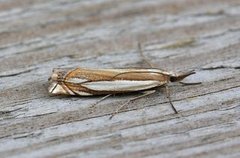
90, 82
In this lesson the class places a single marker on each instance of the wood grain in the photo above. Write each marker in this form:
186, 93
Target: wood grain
176, 35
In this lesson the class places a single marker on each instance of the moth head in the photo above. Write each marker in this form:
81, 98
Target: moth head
181, 76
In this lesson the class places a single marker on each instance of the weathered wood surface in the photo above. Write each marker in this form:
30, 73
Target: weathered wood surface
36, 36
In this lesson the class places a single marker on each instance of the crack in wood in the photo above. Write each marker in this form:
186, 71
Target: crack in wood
18, 73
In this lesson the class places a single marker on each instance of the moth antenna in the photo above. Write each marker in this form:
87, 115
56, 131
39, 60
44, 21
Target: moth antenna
181, 76
143, 56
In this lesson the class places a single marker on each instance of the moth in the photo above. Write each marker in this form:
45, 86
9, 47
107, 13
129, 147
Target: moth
89, 82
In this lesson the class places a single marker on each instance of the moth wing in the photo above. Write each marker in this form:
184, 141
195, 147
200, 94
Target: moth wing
122, 85
56, 88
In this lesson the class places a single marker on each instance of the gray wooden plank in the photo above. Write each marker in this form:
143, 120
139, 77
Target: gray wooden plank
37, 36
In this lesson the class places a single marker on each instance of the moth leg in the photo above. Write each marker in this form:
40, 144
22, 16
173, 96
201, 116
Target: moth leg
97, 102
143, 57
145, 93
169, 98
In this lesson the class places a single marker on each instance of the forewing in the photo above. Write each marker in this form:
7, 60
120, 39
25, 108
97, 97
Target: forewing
121, 85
